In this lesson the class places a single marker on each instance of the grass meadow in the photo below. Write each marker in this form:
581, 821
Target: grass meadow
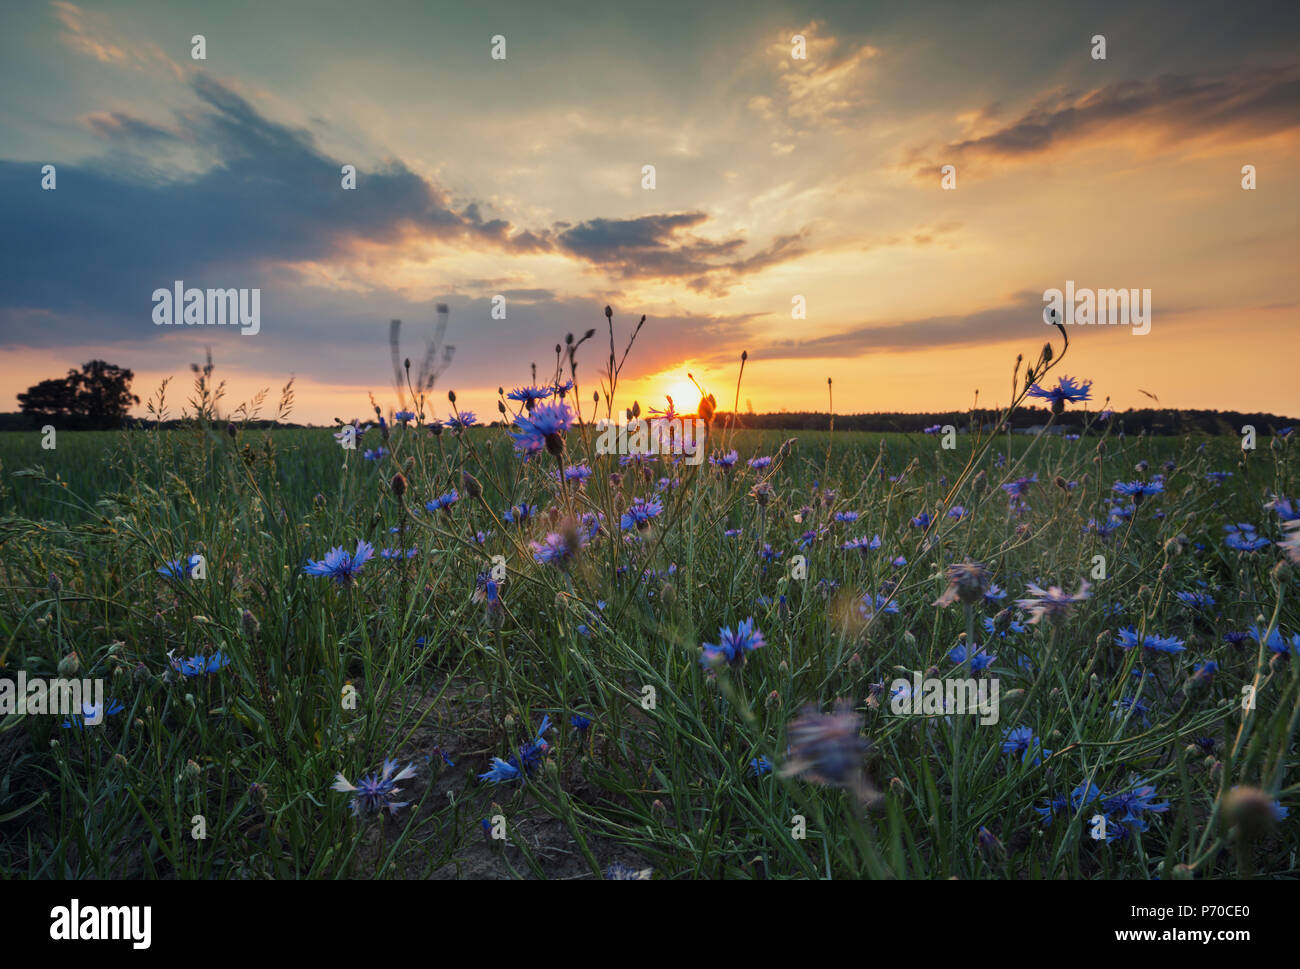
530, 654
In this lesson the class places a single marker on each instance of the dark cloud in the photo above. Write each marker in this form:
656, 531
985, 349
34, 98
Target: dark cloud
662, 247
90, 253
115, 125
1259, 101
93, 250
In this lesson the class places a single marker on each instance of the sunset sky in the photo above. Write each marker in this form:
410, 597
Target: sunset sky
775, 177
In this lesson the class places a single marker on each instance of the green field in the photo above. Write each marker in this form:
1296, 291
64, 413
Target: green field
418, 661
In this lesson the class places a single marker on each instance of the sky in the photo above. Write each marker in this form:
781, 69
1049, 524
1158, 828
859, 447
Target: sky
779, 181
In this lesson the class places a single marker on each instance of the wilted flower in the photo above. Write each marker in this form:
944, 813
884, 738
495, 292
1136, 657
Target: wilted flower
625, 873
1052, 603
967, 583
376, 792
828, 748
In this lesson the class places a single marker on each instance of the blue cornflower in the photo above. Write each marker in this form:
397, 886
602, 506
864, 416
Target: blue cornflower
725, 461
1128, 638
402, 416
1133, 705
880, 604
175, 569
1134, 802
397, 553
922, 520
957, 511
518, 514
1057, 805
1276, 642
341, 566
862, 544
199, 665
376, 792
443, 502
462, 420
542, 429
577, 472
1020, 486
375, 455
639, 514
733, 533
1137, 490
523, 764
759, 766
846, 516
1285, 508
557, 548
1022, 741
487, 591
501, 771
578, 722
990, 627
1196, 600
978, 658
529, 396
1067, 390
1242, 537
759, 463
1217, 478
733, 646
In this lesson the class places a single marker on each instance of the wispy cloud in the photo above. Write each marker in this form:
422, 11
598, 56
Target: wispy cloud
1169, 110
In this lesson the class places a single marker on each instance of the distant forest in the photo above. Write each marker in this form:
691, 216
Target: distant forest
1155, 421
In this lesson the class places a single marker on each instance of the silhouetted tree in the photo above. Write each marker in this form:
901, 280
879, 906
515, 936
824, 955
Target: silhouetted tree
96, 398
